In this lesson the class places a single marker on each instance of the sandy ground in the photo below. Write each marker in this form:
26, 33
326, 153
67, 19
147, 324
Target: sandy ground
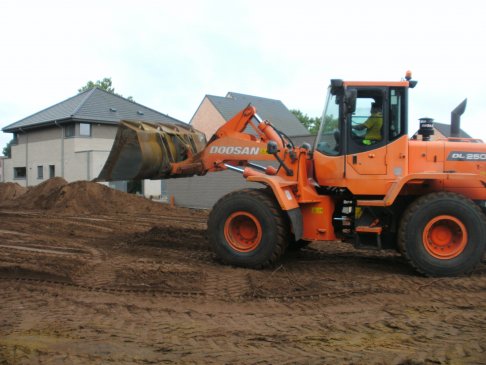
142, 287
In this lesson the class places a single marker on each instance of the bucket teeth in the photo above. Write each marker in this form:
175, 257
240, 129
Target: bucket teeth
147, 150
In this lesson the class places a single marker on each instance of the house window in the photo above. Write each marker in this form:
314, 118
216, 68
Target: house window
69, 130
20, 172
52, 171
85, 129
40, 172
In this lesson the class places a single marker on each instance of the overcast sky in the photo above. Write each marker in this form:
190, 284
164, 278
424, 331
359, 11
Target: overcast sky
169, 54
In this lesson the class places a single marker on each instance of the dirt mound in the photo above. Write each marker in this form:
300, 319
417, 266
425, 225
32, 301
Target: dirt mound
89, 197
9, 191
81, 197
37, 196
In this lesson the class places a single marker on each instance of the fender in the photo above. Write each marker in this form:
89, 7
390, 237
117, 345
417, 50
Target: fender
282, 190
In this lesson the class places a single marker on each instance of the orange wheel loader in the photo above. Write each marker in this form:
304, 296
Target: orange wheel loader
364, 181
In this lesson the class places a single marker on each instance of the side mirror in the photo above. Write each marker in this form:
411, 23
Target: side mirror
272, 149
350, 100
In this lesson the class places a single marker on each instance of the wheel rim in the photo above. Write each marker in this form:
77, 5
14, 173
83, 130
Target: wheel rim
445, 237
243, 231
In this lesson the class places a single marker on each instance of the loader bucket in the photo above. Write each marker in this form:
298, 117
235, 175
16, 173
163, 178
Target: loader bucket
146, 150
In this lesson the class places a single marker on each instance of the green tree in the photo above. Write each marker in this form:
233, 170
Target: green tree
330, 123
312, 124
7, 150
105, 84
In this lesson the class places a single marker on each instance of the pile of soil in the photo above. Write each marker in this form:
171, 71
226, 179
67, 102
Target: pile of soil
36, 197
82, 197
9, 191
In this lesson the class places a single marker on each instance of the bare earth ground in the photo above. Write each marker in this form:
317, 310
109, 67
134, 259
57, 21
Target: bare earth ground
86, 283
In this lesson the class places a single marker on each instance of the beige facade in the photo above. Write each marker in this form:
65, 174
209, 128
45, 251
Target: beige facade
44, 153
207, 118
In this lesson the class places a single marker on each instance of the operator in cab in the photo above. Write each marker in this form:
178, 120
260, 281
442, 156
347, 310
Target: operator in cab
372, 125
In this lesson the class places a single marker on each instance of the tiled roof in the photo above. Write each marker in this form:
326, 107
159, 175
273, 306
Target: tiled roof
95, 105
445, 129
270, 109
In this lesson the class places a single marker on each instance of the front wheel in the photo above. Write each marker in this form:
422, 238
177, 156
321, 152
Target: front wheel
247, 228
443, 234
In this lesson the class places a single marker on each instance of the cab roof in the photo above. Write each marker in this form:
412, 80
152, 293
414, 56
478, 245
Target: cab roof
377, 83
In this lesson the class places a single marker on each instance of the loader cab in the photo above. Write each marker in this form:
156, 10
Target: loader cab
378, 116
360, 120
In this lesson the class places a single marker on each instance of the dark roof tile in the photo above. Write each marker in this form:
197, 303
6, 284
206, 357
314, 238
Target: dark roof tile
92, 105
270, 109
445, 129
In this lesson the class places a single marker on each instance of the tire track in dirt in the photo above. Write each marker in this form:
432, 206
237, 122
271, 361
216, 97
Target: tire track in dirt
277, 333
282, 333
224, 285
151, 292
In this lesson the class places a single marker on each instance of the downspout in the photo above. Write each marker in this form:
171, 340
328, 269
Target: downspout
62, 148
26, 157
88, 158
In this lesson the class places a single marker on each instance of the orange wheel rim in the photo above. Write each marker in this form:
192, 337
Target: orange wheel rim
243, 231
445, 237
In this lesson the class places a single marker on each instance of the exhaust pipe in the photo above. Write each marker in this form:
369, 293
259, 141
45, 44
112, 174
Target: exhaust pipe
456, 119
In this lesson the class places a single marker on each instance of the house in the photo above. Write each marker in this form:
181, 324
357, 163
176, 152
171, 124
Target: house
444, 131
213, 112
72, 139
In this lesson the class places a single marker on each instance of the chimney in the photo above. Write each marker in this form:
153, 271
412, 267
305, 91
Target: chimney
456, 119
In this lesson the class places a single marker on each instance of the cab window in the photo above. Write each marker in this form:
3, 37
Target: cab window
366, 124
328, 141
367, 121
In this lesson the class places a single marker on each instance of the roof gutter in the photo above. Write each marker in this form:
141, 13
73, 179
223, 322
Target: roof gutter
23, 129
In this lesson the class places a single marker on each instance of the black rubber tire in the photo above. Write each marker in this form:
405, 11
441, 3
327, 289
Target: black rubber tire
263, 207
422, 211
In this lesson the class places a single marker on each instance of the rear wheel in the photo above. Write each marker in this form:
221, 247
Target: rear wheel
247, 228
443, 234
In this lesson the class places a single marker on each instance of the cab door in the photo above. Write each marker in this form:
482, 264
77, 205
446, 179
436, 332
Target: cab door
329, 155
366, 150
